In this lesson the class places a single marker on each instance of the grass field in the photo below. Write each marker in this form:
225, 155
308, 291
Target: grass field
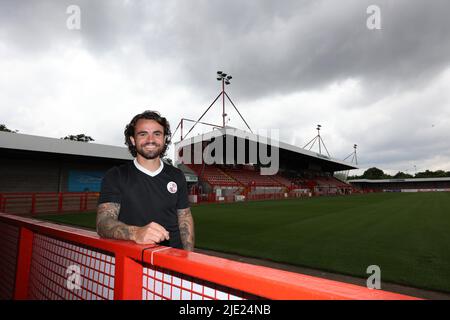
406, 235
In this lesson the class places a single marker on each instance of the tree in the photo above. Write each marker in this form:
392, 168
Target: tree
402, 175
432, 174
79, 137
5, 129
373, 173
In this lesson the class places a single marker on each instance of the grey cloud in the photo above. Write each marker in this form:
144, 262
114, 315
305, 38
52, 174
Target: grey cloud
269, 47
305, 46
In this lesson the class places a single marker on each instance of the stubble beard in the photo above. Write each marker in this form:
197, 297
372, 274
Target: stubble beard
150, 154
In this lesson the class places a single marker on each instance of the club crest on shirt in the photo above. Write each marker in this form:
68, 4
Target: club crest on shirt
172, 187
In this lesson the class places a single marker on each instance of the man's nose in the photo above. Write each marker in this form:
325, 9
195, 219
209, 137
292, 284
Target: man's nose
150, 138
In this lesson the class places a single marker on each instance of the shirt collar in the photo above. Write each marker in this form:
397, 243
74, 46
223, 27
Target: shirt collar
148, 172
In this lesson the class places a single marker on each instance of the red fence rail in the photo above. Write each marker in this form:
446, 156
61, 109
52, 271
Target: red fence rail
35, 203
47, 202
41, 260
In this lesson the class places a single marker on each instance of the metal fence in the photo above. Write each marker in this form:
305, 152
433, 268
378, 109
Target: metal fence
33, 203
41, 260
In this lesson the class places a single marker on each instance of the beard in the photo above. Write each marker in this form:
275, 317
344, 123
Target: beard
150, 154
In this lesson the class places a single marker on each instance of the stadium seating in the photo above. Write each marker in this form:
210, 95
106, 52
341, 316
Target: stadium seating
213, 175
285, 182
248, 176
251, 178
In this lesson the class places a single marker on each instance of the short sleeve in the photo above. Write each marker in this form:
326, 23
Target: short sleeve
110, 188
183, 200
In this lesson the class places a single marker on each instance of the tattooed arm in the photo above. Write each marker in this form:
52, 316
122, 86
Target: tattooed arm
186, 225
108, 226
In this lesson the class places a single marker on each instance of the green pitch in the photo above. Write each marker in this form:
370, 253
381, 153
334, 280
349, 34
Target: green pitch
406, 235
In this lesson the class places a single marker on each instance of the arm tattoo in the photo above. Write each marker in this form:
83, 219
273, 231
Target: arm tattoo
186, 225
108, 225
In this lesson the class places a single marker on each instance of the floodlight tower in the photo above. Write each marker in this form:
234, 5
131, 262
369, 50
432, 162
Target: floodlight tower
353, 155
222, 76
319, 139
318, 135
354, 159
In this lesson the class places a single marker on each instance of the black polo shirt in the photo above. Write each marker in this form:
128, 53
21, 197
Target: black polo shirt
146, 196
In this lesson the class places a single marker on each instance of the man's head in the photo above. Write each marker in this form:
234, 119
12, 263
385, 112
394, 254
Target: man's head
148, 134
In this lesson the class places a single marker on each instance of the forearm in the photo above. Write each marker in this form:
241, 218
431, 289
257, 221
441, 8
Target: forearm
108, 225
186, 225
113, 229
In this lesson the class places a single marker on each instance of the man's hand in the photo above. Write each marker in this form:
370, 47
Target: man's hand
108, 226
152, 233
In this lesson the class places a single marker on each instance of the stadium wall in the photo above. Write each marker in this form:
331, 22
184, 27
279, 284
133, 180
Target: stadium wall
53, 174
46, 261
26, 175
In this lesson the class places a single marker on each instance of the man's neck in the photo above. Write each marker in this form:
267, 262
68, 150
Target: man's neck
149, 164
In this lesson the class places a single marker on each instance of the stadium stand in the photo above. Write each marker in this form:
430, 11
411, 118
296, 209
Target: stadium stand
247, 181
402, 185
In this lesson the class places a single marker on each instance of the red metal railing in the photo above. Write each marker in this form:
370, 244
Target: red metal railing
47, 202
35, 203
42, 260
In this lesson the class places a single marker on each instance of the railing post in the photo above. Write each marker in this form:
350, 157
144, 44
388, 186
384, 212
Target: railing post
85, 201
81, 202
60, 202
24, 254
2, 208
128, 279
33, 203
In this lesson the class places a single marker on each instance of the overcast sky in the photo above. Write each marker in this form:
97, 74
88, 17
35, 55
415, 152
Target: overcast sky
295, 64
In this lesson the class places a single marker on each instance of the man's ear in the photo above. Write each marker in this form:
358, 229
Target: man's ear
132, 141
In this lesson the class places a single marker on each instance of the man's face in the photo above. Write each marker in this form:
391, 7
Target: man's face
148, 138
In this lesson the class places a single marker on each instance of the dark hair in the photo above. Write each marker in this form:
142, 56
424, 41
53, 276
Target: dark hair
148, 115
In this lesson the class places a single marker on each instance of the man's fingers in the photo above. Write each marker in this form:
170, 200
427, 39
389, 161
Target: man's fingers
159, 228
151, 234
157, 233
155, 237
145, 241
150, 237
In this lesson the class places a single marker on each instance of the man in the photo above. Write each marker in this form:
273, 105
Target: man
146, 201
